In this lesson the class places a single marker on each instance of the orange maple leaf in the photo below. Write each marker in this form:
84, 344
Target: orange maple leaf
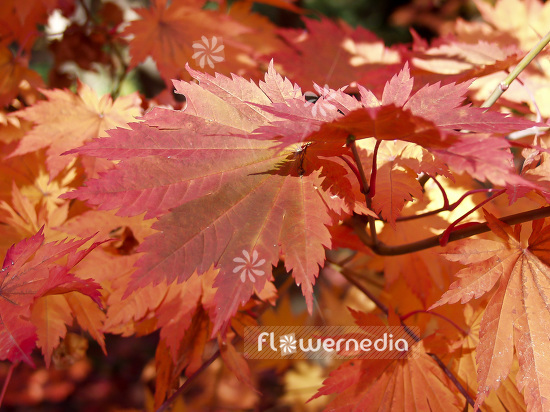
171, 33
19, 20
13, 70
517, 314
66, 120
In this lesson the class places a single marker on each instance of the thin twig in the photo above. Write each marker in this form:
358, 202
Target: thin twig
503, 86
453, 379
351, 279
415, 312
120, 80
449, 208
187, 384
444, 238
7, 381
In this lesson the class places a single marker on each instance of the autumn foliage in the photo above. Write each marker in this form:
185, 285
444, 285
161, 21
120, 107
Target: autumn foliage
284, 171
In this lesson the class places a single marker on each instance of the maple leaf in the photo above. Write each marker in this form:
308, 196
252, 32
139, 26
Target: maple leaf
429, 117
19, 20
507, 394
398, 166
389, 385
50, 314
67, 120
167, 33
523, 22
235, 362
517, 313
334, 53
13, 70
29, 272
462, 60
484, 158
221, 198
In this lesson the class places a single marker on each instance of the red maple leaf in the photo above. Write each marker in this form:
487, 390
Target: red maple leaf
29, 271
236, 202
430, 117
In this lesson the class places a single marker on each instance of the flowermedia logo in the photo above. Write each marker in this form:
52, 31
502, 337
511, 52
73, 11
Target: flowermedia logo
208, 51
321, 342
287, 344
248, 266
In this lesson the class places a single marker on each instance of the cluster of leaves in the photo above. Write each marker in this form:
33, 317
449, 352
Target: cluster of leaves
191, 214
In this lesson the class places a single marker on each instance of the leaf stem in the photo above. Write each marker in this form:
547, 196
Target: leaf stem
503, 85
355, 172
449, 208
443, 193
372, 186
366, 187
353, 145
444, 238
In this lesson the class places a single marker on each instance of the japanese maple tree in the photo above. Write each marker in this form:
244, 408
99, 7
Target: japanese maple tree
285, 174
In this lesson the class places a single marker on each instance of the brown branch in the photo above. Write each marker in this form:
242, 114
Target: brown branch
475, 229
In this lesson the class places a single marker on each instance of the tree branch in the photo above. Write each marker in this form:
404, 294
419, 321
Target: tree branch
475, 229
